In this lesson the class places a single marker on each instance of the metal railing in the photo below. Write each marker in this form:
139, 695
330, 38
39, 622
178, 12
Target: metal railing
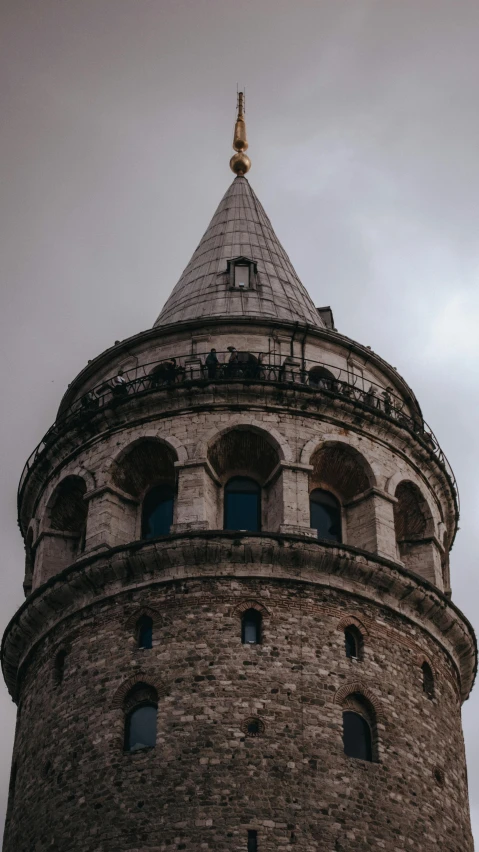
325, 379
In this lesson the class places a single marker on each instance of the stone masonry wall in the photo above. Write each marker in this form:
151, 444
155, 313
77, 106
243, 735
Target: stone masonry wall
113, 516
206, 783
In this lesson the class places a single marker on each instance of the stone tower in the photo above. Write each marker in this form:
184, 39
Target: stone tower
238, 633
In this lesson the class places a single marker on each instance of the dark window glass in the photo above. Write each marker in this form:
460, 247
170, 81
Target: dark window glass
157, 514
351, 643
145, 632
140, 729
325, 514
251, 627
427, 680
356, 736
253, 727
252, 841
242, 504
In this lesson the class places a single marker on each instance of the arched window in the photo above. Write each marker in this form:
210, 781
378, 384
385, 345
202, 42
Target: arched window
157, 511
353, 643
140, 728
325, 514
145, 632
427, 680
251, 627
140, 720
356, 736
242, 504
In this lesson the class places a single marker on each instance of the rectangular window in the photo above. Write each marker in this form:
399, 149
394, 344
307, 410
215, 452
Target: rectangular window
252, 841
242, 277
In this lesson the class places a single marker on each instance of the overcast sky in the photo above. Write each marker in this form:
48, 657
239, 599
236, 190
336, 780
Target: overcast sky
116, 126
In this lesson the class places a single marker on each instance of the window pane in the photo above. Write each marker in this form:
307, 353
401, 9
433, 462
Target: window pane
356, 736
325, 515
251, 627
242, 505
141, 728
242, 276
157, 515
351, 644
252, 841
145, 633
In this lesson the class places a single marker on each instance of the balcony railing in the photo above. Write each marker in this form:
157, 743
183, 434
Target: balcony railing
324, 379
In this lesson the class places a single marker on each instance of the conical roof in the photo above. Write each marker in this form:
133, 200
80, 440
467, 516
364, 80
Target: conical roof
239, 228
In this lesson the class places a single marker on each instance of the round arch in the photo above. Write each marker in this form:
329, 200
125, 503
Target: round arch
313, 445
142, 463
269, 433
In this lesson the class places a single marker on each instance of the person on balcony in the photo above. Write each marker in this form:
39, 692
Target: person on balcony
170, 371
233, 363
90, 401
118, 384
212, 362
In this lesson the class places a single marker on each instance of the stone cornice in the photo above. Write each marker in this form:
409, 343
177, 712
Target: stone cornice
282, 558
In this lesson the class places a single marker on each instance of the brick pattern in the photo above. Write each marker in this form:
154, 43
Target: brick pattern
206, 782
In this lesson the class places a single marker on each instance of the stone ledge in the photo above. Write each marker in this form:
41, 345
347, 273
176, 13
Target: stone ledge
289, 558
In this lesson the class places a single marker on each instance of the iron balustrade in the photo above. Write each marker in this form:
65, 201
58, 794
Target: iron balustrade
326, 379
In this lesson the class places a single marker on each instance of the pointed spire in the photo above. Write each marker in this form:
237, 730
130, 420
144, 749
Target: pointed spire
239, 237
240, 230
240, 163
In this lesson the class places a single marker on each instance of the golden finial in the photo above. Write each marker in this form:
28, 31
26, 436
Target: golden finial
240, 163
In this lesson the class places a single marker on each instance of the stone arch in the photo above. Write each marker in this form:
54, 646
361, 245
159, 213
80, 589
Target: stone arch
359, 688
342, 467
243, 450
87, 476
66, 510
351, 620
149, 678
63, 530
247, 451
145, 470
243, 422
157, 618
342, 471
141, 463
245, 605
412, 514
414, 528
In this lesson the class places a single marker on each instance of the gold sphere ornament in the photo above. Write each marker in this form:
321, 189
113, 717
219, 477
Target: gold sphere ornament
240, 163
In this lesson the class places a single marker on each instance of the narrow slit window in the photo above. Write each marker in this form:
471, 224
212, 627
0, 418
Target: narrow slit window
145, 632
357, 738
252, 841
427, 680
351, 646
251, 627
